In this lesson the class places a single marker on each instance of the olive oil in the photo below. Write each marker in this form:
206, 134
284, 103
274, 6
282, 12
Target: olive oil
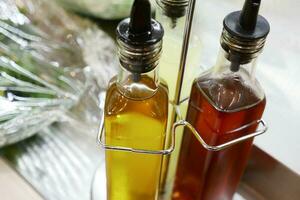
136, 110
136, 123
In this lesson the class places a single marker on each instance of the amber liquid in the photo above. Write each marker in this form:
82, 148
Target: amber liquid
135, 123
216, 107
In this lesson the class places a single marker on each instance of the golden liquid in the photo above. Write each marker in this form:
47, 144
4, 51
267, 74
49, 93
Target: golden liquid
135, 123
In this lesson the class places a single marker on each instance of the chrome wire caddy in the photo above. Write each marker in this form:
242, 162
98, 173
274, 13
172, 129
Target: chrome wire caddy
197, 135
181, 122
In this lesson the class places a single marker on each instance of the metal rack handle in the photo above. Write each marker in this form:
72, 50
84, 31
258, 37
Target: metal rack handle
184, 123
224, 145
100, 140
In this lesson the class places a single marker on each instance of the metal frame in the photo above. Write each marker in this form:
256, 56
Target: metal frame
184, 123
227, 144
101, 141
170, 149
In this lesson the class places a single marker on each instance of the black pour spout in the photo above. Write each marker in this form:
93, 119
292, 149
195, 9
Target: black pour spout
249, 30
249, 14
247, 23
140, 29
140, 20
139, 40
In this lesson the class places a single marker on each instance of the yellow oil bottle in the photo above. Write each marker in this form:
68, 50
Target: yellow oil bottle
136, 110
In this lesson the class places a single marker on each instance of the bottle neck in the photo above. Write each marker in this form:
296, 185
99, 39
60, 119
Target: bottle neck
138, 86
170, 23
172, 14
230, 65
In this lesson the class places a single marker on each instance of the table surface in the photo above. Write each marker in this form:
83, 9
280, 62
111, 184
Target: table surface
13, 187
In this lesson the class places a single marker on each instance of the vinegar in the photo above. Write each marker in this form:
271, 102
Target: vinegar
216, 108
136, 123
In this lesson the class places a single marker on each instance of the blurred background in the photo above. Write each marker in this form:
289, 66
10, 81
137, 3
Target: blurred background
56, 59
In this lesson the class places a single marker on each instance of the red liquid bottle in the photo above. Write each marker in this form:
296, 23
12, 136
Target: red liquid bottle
223, 100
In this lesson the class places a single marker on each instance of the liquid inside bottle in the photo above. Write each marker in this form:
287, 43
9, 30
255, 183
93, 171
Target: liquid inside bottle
217, 107
136, 109
172, 15
135, 119
223, 102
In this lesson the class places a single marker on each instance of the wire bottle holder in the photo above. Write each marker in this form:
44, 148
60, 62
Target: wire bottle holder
184, 123
181, 122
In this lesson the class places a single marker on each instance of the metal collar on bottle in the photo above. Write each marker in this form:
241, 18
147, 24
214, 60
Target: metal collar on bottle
139, 59
174, 3
245, 49
173, 8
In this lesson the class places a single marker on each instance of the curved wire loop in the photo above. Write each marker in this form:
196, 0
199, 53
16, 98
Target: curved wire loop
224, 145
170, 149
101, 141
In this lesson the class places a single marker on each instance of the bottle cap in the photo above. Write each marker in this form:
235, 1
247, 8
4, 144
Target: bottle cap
140, 39
174, 8
245, 32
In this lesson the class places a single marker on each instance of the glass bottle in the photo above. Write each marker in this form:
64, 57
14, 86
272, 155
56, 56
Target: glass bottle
136, 109
222, 100
172, 14
173, 18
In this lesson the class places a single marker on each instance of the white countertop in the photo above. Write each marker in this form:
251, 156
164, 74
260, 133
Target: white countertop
13, 187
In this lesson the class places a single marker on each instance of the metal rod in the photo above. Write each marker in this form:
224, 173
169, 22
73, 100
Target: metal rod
227, 144
184, 123
101, 141
185, 49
